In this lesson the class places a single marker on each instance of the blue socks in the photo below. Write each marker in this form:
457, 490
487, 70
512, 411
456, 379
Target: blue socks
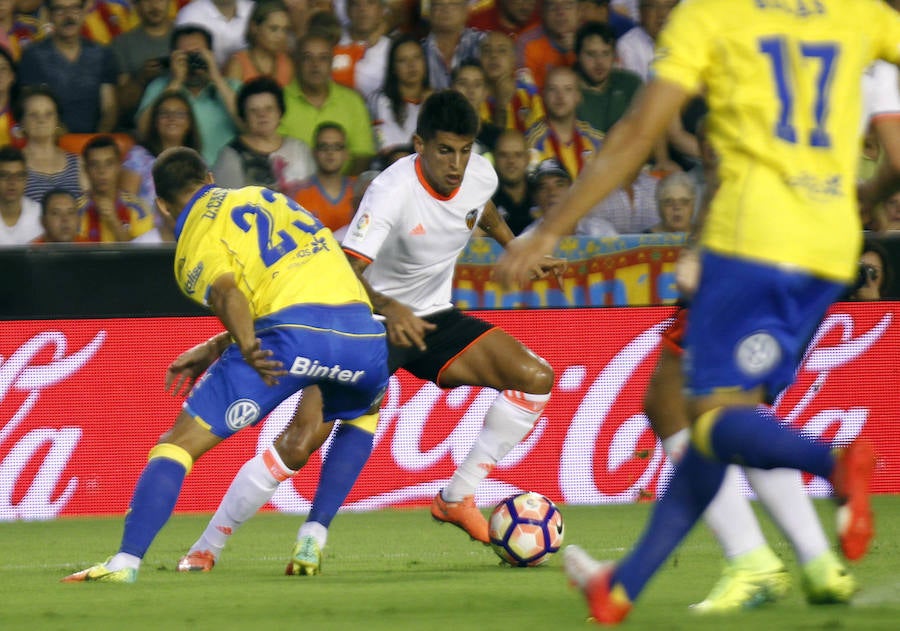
752, 437
692, 488
349, 453
152, 503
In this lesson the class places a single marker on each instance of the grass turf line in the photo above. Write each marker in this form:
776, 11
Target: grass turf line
397, 570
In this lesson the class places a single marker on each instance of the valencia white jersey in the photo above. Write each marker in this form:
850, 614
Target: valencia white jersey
411, 235
880, 91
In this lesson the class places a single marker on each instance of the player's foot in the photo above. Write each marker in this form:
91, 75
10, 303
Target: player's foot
826, 581
850, 479
197, 561
306, 559
463, 514
607, 605
101, 574
740, 588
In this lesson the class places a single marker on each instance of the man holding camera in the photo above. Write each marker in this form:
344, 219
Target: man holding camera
192, 70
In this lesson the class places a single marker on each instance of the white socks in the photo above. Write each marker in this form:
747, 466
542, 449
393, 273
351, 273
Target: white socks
729, 516
781, 493
121, 560
508, 420
251, 488
315, 530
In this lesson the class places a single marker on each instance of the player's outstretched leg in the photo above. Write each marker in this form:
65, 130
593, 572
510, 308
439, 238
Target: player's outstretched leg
151, 505
508, 420
349, 452
593, 578
252, 487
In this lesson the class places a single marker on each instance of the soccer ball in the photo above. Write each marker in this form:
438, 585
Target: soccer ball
526, 529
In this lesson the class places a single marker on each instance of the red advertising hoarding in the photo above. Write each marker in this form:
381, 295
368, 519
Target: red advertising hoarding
82, 402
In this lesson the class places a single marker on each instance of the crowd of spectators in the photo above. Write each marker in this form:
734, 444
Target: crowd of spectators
304, 96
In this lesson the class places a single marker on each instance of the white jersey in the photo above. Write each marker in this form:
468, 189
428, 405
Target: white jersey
412, 235
880, 91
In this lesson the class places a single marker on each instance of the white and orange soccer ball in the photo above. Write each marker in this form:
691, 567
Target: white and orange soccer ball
526, 529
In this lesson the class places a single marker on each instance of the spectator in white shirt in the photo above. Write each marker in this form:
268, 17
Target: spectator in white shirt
20, 217
225, 19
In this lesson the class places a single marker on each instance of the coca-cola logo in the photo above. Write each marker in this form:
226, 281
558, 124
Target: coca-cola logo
20, 373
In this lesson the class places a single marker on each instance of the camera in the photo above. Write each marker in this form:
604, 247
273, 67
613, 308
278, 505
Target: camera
195, 61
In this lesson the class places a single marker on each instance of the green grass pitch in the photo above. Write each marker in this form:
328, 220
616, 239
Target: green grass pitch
396, 569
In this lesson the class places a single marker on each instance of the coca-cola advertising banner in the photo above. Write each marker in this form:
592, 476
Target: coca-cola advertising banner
82, 402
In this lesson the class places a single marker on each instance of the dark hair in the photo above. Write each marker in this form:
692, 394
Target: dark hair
54, 192
325, 125
153, 142
177, 172
103, 141
391, 86
448, 111
31, 91
591, 29
190, 29
8, 153
262, 10
260, 85
49, 4
471, 62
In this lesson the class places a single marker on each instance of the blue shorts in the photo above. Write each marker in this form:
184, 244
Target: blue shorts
749, 324
342, 349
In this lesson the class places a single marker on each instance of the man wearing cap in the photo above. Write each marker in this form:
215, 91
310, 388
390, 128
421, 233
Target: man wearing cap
550, 182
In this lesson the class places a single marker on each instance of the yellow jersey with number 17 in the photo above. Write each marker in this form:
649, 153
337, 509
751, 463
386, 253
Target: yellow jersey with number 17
280, 254
782, 80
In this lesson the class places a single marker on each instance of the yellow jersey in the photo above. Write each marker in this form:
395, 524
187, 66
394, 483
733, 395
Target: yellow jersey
279, 253
782, 80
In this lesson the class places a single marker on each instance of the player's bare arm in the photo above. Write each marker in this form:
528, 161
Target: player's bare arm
184, 370
230, 304
627, 146
404, 328
886, 180
494, 226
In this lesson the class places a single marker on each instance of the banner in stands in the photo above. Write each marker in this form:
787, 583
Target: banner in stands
611, 272
82, 402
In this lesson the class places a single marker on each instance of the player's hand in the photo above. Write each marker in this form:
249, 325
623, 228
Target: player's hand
258, 359
550, 265
187, 367
404, 328
522, 257
687, 272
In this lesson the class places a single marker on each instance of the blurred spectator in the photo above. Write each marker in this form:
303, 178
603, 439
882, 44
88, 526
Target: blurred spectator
59, 218
560, 134
172, 124
449, 42
226, 20
16, 31
606, 92
141, 54
82, 74
20, 217
361, 56
676, 195
8, 89
315, 98
395, 109
268, 30
552, 43
892, 212
550, 182
193, 71
875, 274
600, 11
631, 208
468, 78
513, 197
37, 111
261, 156
326, 23
509, 17
513, 99
328, 193
107, 213
635, 48
628, 8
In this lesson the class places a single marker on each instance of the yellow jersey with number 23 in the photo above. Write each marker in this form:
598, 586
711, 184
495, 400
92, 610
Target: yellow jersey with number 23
782, 80
279, 253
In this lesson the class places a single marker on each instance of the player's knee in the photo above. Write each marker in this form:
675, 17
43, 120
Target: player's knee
295, 445
172, 452
539, 377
